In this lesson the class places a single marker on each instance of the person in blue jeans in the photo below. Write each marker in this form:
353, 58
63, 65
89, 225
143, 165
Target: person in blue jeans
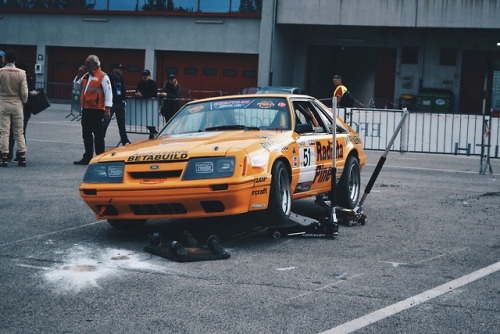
118, 108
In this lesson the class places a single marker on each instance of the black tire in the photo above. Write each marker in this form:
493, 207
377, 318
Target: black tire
127, 224
349, 186
280, 199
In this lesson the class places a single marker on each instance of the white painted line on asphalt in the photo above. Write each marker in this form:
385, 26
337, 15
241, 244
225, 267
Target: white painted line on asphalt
51, 233
423, 297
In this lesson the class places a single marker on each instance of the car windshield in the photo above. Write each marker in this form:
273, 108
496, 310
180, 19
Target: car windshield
252, 114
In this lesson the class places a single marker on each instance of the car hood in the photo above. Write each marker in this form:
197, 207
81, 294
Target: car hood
185, 146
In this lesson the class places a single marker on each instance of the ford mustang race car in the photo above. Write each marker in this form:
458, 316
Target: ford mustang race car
226, 156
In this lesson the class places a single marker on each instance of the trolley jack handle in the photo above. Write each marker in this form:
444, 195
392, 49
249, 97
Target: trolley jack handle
380, 164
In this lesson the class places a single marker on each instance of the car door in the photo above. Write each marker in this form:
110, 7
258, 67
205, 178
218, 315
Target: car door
315, 149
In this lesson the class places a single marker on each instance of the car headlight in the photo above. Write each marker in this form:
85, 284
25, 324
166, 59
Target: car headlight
209, 168
109, 172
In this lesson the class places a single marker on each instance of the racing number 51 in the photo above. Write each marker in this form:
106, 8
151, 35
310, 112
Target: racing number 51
306, 157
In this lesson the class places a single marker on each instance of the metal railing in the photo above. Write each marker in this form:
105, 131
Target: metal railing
443, 133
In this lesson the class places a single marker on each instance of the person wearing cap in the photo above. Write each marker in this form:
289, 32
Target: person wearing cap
146, 87
118, 107
13, 96
170, 94
344, 98
96, 99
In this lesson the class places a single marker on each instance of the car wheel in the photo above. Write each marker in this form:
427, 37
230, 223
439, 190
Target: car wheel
280, 198
349, 185
127, 224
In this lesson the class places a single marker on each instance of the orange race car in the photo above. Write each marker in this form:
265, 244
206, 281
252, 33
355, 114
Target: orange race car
225, 156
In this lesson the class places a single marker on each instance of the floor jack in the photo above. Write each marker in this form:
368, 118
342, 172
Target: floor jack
328, 227
187, 248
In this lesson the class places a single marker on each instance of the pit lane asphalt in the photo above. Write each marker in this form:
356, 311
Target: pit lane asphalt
432, 219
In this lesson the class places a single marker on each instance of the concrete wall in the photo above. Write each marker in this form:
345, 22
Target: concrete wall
392, 13
150, 33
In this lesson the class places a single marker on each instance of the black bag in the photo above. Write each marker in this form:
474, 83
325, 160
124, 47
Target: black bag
347, 101
38, 102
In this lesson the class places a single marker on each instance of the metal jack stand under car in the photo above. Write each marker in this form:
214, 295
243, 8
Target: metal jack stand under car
328, 227
186, 248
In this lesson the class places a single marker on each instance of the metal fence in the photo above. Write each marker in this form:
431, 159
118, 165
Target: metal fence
444, 133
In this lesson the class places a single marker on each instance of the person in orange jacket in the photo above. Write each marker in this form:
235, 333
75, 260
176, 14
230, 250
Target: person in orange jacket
96, 99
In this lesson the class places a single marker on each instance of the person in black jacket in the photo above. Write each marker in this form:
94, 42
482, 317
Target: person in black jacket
118, 107
146, 87
170, 92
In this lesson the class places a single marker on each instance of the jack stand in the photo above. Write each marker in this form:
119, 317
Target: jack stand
347, 217
187, 249
307, 228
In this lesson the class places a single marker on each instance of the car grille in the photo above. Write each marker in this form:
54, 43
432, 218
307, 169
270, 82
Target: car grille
157, 209
156, 175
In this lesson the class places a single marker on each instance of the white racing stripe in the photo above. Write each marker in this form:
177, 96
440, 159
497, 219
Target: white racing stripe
423, 297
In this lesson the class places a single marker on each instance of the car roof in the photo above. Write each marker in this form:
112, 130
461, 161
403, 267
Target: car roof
280, 89
246, 96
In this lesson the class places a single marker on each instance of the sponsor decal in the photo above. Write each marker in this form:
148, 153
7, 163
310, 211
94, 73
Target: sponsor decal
354, 139
115, 171
307, 157
265, 104
204, 167
259, 161
282, 104
304, 186
231, 104
158, 156
258, 206
154, 167
311, 142
258, 192
440, 102
294, 150
325, 151
322, 174
261, 179
274, 146
195, 109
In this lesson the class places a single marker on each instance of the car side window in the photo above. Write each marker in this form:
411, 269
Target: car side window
327, 120
306, 113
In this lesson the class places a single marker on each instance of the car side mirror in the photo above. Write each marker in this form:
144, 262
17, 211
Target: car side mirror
304, 128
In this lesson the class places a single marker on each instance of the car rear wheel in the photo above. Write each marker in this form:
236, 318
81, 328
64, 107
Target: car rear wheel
280, 198
127, 224
349, 185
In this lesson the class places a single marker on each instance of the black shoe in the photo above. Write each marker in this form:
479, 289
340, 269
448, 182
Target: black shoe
81, 162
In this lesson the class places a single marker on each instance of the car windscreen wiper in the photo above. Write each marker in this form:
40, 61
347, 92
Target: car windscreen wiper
231, 127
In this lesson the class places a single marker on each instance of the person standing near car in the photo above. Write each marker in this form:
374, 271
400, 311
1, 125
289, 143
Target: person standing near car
13, 95
96, 99
344, 97
26, 113
170, 94
146, 87
118, 108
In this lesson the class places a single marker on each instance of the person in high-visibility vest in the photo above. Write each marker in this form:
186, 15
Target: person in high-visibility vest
344, 97
96, 99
